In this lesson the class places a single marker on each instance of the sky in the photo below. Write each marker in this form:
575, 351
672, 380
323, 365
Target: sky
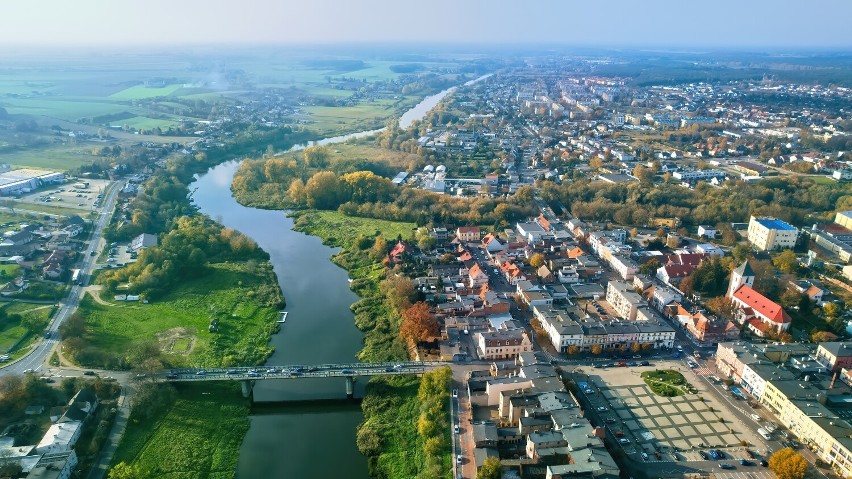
665, 23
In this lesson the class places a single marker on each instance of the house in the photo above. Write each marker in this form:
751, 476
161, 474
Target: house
60, 437
477, 277
57, 465
811, 288
439, 234
502, 344
492, 244
673, 274
762, 315
708, 232
711, 329
545, 275
400, 251
468, 233
835, 356
143, 241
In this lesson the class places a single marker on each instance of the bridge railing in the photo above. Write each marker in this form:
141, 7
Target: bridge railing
311, 368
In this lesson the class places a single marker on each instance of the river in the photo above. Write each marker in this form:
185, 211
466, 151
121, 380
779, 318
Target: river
320, 328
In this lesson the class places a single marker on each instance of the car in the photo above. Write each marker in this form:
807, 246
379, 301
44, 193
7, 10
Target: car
704, 455
271, 371
644, 456
171, 376
299, 370
610, 420
746, 462
47, 334
679, 348
93, 253
253, 374
4, 358
312, 369
676, 354
90, 373
601, 408
346, 371
632, 363
455, 393
295, 373
28, 371
233, 371
458, 459
622, 364
636, 356
749, 453
619, 434
47, 379
201, 373
644, 363
720, 454
588, 391
756, 417
714, 454
456, 428
725, 465
763, 463
623, 440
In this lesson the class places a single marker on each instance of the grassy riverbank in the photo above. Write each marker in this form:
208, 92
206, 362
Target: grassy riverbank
233, 294
195, 433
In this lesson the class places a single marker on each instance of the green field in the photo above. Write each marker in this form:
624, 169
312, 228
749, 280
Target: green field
197, 435
145, 123
180, 320
63, 108
9, 271
139, 92
13, 331
59, 158
335, 228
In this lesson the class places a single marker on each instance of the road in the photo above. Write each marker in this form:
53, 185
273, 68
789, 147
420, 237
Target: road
294, 371
37, 358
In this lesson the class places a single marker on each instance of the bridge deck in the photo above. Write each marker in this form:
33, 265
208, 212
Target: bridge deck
299, 371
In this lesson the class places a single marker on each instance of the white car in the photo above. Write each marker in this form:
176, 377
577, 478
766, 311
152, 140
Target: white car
756, 417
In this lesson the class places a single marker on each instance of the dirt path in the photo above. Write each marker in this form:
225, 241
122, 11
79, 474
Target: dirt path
94, 292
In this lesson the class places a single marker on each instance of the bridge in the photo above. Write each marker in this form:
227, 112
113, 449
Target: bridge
248, 375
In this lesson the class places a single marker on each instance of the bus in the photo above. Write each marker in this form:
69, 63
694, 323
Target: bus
76, 277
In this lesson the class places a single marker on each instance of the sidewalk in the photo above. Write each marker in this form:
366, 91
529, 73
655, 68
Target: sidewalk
100, 469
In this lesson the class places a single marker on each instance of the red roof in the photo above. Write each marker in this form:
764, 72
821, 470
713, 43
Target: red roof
761, 304
678, 270
468, 229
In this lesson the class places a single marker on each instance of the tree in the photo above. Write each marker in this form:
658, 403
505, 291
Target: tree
73, 327
650, 267
321, 191
122, 470
596, 349
636, 347
788, 464
832, 310
380, 248
722, 306
418, 323
822, 336
740, 252
316, 156
573, 350
537, 260
297, 191
368, 440
491, 469
596, 163
765, 281
786, 261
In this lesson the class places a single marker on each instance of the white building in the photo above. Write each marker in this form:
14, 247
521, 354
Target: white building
60, 437
768, 234
623, 299
707, 231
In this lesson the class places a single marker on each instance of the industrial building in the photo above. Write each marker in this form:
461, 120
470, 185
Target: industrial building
25, 180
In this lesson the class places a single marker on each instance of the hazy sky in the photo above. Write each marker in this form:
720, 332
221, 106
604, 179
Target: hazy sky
672, 23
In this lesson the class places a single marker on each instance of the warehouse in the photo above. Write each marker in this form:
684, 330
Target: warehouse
25, 180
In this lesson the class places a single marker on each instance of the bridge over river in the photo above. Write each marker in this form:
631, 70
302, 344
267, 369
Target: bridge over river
248, 375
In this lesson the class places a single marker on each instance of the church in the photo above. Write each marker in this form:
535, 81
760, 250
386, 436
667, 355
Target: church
762, 315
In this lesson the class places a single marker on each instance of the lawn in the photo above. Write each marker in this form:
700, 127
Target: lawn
180, 320
9, 271
393, 410
335, 228
667, 382
198, 435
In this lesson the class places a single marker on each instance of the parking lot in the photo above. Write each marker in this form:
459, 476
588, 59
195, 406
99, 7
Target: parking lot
69, 195
665, 429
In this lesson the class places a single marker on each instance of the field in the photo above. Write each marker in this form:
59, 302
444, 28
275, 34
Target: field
180, 320
198, 435
364, 116
333, 227
59, 158
394, 409
140, 91
13, 331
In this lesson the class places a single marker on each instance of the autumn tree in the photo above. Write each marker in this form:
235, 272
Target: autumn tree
788, 464
596, 349
491, 469
418, 323
297, 191
722, 306
316, 156
822, 336
537, 260
786, 261
122, 470
321, 191
596, 163
650, 267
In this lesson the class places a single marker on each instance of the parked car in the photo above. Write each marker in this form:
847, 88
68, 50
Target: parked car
704, 455
725, 465
601, 408
623, 440
746, 462
644, 363
90, 373
763, 463
749, 453
644, 456
344, 371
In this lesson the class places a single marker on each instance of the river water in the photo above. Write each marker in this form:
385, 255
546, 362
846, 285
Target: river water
302, 441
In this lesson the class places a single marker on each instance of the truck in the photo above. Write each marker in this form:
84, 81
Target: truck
76, 277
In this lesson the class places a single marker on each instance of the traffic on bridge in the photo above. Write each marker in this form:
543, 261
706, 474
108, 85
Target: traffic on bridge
296, 371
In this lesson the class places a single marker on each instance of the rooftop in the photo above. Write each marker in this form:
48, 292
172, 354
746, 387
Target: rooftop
775, 224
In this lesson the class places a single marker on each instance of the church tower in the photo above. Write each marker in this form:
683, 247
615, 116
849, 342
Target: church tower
740, 276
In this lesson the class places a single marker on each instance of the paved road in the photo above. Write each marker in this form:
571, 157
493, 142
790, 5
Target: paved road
37, 358
293, 371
